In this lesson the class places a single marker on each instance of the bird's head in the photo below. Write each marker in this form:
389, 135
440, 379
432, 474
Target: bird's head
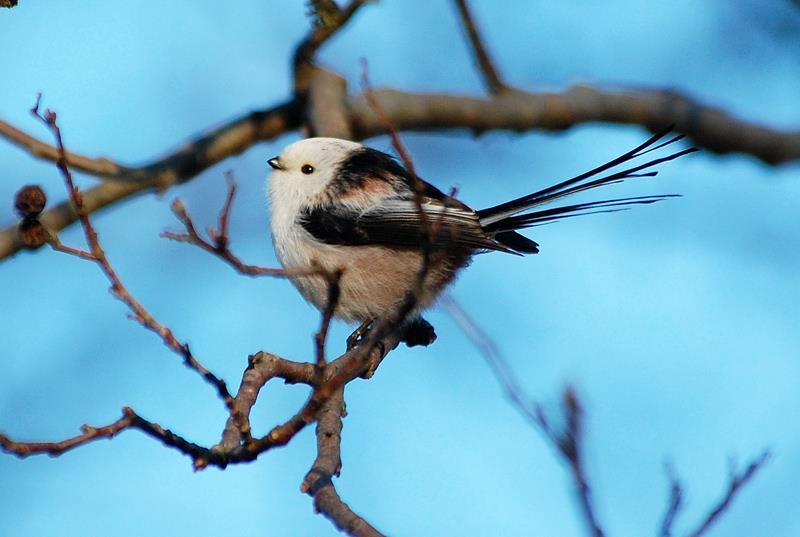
306, 168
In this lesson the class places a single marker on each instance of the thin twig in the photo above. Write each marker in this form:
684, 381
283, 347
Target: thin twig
304, 53
129, 420
735, 484
428, 231
491, 77
98, 255
495, 360
54, 449
568, 443
673, 506
219, 242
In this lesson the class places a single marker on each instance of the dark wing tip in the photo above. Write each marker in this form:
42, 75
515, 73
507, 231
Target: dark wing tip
517, 242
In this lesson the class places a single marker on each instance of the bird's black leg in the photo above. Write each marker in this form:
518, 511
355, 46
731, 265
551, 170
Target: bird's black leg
358, 334
419, 332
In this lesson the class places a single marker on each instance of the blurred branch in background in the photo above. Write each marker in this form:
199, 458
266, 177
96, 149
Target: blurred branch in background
568, 439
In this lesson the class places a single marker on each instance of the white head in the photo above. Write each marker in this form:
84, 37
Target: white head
305, 168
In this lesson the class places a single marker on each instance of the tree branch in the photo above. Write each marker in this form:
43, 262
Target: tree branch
326, 28
491, 78
735, 484
567, 443
100, 167
98, 255
129, 420
219, 240
194, 157
54, 449
708, 127
261, 368
326, 113
318, 483
673, 506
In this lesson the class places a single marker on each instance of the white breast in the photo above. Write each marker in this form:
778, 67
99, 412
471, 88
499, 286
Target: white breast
375, 279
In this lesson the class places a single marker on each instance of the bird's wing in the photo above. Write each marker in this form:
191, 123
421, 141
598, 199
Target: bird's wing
398, 223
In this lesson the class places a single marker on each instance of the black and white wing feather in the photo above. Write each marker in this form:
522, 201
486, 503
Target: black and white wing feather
398, 223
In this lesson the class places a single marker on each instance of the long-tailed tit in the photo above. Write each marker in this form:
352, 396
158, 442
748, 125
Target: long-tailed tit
338, 204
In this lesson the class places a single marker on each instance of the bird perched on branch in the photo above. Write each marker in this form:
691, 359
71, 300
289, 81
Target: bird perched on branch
338, 204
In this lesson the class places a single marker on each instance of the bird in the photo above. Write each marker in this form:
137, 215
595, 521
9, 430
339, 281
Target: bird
338, 205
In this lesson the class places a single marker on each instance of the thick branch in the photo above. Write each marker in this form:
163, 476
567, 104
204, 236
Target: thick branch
328, 502
327, 113
710, 128
101, 167
261, 368
305, 51
318, 482
337, 373
193, 157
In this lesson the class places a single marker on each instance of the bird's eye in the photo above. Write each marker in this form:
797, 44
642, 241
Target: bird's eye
307, 169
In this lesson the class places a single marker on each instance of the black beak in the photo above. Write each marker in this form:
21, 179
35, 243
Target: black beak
274, 164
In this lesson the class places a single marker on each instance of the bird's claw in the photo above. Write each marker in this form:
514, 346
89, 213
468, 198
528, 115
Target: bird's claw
358, 335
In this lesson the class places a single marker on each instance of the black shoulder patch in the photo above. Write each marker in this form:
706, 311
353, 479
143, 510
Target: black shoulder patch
366, 163
333, 228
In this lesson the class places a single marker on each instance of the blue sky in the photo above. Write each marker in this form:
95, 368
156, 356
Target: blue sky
676, 323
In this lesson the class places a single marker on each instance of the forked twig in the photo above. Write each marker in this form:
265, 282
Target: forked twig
98, 255
737, 480
568, 443
219, 241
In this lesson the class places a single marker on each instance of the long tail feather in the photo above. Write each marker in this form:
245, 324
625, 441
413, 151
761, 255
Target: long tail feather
569, 211
500, 217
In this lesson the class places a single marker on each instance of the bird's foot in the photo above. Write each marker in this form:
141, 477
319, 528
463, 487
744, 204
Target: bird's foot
358, 334
419, 332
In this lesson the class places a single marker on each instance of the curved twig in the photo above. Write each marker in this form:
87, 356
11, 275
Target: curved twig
98, 255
